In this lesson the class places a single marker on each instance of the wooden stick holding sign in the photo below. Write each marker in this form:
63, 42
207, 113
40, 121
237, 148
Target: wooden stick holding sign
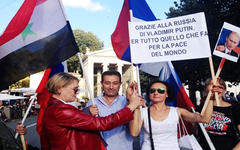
213, 78
214, 82
32, 99
220, 67
227, 48
23, 142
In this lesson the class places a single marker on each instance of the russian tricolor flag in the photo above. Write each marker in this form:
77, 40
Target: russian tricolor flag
120, 42
165, 71
37, 37
120, 37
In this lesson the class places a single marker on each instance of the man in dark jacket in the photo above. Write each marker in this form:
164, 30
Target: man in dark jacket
7, 140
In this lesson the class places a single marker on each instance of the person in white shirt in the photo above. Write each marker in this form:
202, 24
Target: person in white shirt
163, 118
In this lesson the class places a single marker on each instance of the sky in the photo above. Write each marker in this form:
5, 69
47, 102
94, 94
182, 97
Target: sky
98, 17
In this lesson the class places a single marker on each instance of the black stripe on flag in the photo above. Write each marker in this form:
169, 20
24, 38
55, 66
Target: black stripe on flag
37, 56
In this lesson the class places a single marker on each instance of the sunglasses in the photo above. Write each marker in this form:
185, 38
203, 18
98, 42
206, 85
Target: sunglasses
76, 91
160, 90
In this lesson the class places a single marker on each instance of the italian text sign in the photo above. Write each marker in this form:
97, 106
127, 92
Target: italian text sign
177, 38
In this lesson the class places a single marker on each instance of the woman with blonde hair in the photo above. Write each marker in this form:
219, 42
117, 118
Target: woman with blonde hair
67, 128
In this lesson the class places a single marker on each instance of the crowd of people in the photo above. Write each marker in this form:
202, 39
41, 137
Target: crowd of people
113, 121
231, 98
81, 129
104, 130
15, 109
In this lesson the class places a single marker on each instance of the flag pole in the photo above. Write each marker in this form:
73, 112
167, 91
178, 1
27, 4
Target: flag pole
209, 141
208, 98
137, 68
138, 79
80, 60
200, 124
210, 92
213, 78
86, 78
34, 97
23, 142
220, 67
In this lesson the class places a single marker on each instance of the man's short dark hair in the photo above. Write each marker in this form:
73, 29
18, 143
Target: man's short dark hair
111, 72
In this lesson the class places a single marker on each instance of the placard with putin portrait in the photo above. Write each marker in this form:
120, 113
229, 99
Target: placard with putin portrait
228, 45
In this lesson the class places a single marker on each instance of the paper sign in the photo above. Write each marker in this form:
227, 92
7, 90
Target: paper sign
177, 38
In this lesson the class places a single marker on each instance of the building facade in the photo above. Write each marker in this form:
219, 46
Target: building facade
95, 63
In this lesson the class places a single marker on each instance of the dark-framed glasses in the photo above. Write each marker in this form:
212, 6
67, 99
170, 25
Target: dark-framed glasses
160, 90
76, 91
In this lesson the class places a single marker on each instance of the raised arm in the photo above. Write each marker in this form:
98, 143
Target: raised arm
197, 117
136, 124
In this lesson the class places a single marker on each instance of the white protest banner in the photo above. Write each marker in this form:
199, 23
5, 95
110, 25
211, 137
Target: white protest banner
177, 38
228, 45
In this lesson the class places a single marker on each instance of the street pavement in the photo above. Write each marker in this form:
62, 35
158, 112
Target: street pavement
32, 136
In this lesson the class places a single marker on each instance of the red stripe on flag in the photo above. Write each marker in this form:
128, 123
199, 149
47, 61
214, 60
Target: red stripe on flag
183, 100
120, 36
222, 63
19, 21
42, 98
43, 81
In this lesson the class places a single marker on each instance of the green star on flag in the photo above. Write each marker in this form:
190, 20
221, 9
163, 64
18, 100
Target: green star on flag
27, 31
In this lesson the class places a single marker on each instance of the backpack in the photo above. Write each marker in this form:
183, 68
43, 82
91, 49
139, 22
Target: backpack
7, 140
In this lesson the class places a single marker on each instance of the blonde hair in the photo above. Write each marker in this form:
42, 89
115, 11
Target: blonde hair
58, 81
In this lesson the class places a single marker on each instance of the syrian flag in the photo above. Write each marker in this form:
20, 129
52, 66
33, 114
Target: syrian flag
38, 37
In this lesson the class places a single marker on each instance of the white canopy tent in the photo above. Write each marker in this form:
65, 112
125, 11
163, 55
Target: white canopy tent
22, 91
7, 97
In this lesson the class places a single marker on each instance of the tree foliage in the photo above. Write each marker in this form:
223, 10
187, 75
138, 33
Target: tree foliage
146, 79
194, 72
87, 39
84, 40
21, 83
